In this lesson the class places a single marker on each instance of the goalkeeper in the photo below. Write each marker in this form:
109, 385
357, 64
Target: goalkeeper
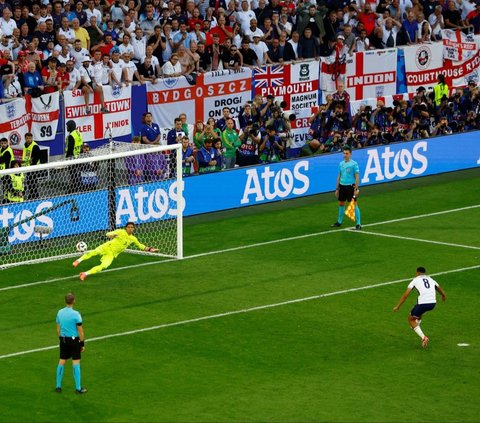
120, 240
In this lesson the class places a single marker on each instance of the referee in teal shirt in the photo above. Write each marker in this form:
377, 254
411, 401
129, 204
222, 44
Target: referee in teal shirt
71, 336
347, 187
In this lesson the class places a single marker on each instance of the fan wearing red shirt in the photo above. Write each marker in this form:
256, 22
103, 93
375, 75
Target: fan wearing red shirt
49, 75
221, 29
368, 18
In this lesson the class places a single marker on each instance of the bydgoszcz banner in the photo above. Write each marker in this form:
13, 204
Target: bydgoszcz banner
44, 116
424, 62
294, 83
14, 121
211, 93
96, 124
372, 74
458, 46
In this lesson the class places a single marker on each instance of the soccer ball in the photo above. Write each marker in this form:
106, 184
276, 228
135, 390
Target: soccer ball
81, 247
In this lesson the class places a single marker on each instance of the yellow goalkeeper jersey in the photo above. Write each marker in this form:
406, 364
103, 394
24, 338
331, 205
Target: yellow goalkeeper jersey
121, 242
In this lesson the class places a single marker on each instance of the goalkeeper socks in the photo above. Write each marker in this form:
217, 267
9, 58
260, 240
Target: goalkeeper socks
341, 212
60, 370
77, 376
419, 332
357, 215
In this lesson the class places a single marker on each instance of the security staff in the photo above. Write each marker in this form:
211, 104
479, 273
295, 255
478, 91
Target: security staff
71, 335
74, 140
440, 90
6, 158
31, 157
74, 148
14, 188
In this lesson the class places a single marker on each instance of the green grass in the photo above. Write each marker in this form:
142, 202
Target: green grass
343, 357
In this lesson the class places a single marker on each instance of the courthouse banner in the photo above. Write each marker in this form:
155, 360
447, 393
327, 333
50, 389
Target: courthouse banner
14, 121
44, 112
371, 74
96, 125
294, 83
424, 62
212, 92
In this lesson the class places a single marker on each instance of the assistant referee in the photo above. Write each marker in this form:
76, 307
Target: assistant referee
71, 336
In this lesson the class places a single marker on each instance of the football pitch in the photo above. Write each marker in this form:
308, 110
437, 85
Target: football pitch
272, 316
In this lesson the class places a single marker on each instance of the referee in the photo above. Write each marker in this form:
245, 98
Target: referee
347, 187
72, 337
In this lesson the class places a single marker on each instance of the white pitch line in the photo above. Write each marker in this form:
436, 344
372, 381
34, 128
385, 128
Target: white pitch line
234, 312
449, 244
242, 247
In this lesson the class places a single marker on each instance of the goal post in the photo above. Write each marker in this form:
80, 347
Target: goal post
47, 209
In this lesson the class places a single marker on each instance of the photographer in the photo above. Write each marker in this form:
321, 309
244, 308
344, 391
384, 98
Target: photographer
247, 153
417, 130
400, 113
379, 116
281, 125
271, 148
334, 143
361, 124
442, 128
317, 124
339, 120
374, 137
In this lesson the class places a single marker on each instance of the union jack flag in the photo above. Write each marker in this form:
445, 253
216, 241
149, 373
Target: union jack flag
269, 76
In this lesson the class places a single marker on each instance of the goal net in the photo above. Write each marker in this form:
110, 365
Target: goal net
48, 209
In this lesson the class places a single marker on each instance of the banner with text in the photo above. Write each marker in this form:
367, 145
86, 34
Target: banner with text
45, 111
212, 92
371, 74
117, 101
14, 121
294, 83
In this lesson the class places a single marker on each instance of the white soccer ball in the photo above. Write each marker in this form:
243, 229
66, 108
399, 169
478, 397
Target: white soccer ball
82, 247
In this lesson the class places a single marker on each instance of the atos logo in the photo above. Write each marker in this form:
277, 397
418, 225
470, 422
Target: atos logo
271, 185
389, 165
26, 230
141, 204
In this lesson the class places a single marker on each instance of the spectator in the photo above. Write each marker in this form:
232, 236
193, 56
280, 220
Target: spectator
367, 17
94, 31
188, 158
473, 18
390, 30
294, 43
7, 24
130, 73
308, 47
49, 75
253, 29
410, 29
80, 14
313, 19
230, 142
78, 53
185, 60
174, 136
63, 78
262, 12
147, 72
452, 17
261, 50
139, 44
244, 16
89, 86
222, 29
206, 157
232, 59
150, 131
81, 33
32, 81
199, 134
437, 23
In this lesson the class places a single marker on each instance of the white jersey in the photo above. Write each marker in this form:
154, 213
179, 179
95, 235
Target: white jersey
425, 286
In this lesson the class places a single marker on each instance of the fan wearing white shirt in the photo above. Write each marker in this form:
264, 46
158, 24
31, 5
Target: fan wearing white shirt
7, 24
172, 68
126, 47
129, 70
427, 289
117, 66
139, 44
261, 50
89, 86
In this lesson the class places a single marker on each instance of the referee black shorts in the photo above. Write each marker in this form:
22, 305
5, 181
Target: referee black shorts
346, 192
70, 348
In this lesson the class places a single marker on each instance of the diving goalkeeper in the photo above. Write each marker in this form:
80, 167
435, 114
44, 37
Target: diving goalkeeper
120, 240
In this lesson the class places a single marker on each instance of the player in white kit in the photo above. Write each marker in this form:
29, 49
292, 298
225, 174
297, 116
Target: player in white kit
426, 288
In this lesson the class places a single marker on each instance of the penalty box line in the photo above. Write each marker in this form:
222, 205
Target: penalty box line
235, 312
242, 247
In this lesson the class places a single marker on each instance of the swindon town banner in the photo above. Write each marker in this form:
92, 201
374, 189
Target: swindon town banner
44, 114
14, 121
424, 62
371, 74
294, 83
211, 93
96, 125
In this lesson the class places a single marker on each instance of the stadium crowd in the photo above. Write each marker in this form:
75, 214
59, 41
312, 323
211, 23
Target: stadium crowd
47, 46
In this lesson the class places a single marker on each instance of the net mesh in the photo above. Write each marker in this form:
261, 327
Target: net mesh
48, 209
